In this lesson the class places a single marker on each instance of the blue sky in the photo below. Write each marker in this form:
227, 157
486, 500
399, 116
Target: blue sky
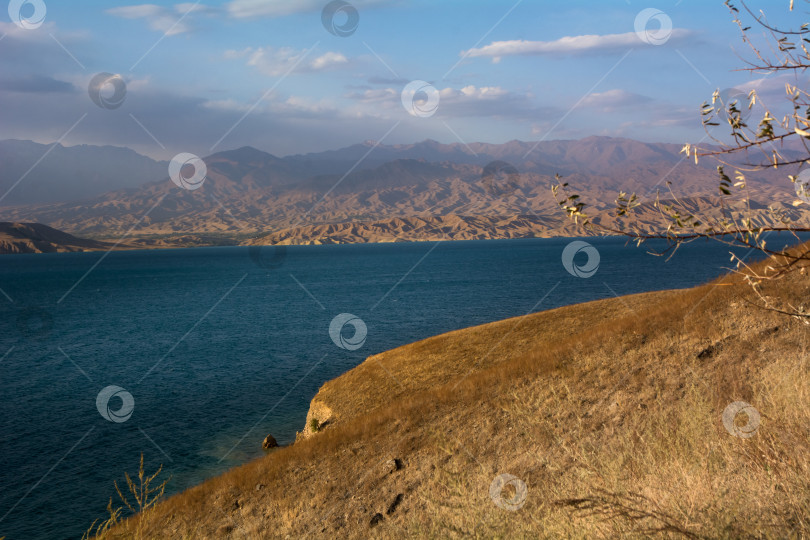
269, 74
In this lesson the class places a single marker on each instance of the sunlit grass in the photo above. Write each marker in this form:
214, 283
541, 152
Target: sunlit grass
141, 498
610, 412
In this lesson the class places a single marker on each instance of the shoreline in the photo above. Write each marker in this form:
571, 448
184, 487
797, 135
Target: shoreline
307, 244
310, 244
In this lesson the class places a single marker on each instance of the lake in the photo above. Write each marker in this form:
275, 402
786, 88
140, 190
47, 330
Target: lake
190, 357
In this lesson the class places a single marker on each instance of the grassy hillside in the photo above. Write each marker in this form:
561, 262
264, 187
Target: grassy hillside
610, 414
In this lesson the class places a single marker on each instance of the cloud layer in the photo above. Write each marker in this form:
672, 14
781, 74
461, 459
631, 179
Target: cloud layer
279, 8
565, 45
170, 21
275, 62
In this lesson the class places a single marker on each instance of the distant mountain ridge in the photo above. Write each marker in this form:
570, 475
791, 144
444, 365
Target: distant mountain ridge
47, 173
253, 196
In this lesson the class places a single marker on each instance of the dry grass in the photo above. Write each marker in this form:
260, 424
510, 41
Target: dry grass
610, 412
139, 498
454, 356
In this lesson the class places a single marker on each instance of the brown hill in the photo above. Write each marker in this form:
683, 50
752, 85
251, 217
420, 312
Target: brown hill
645, 218
32, 238
418, 228
38, 238
602, 420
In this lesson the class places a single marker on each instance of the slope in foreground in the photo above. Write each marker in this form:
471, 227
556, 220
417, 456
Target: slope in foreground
607, 417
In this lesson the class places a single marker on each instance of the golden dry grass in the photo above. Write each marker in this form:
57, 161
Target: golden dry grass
609, 412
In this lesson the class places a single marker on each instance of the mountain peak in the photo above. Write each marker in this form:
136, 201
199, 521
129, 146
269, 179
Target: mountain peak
607, 138
429, 142
245, 153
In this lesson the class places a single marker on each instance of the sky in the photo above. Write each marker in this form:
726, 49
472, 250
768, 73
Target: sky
297, 76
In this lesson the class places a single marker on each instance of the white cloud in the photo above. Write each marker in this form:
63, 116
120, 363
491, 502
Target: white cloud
269, 8
471, 92
450, 95
289, 107
328, 60
375, 95
233, 54
274, 62
568, 44
468, 101
136, 12
613, 99
280, 124
279, 8
229, 104
170, 21
488, 101
14, 33
775, 86
192, 7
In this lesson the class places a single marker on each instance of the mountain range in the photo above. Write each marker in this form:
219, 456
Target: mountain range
33, 173
361, 193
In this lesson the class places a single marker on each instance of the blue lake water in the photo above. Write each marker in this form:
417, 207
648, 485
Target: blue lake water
220, 346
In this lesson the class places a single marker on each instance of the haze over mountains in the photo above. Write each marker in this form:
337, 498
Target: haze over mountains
55, 173
364, 192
